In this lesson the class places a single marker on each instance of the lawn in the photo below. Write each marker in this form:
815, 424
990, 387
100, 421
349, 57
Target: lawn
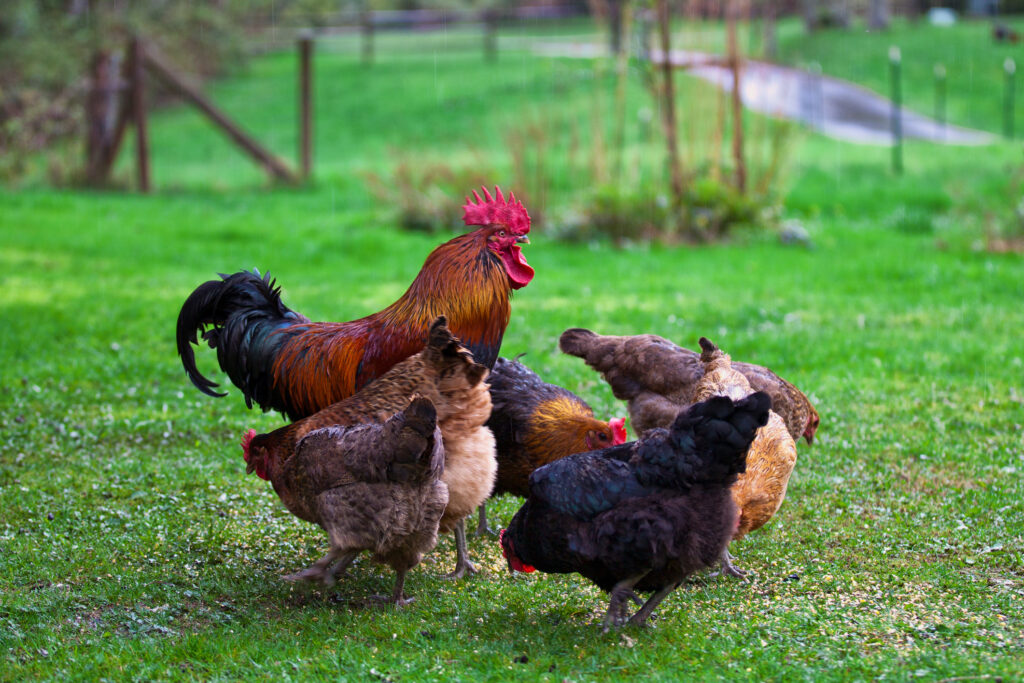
134, 546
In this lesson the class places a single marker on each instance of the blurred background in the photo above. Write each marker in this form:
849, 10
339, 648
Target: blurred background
402, 105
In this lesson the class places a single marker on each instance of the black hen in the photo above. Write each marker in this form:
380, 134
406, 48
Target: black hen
644, 515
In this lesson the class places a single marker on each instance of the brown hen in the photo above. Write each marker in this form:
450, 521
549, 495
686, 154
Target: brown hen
443, 372
659, 379
760, 490
370, 486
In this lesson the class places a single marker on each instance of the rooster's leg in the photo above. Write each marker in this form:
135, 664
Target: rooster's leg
617, 602
481, 527
462, 564
640, 617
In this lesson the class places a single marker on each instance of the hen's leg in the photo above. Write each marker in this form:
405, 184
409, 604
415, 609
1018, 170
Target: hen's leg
728, 568
318, 570
332, 574
397, 597
462, 564
481, 527
640, 617
617, 602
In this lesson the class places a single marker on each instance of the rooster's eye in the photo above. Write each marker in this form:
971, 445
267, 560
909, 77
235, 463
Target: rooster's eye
501, 233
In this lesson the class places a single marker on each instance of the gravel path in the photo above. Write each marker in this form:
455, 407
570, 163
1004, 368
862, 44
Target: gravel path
836, 108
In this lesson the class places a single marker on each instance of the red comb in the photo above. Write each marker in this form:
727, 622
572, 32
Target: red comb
497, 210
246, 440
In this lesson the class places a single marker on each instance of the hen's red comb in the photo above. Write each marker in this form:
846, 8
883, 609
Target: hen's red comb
497, 211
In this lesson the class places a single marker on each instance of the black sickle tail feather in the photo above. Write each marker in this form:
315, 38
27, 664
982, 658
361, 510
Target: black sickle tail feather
236, 315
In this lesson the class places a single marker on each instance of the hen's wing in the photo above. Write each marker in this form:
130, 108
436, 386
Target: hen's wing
514, 396
586, 484
636, 364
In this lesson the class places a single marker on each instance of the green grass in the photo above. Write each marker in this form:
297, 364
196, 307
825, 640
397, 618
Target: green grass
898, 553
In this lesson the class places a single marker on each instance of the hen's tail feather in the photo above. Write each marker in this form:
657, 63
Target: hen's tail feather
237, 315
577, 342
725, 429
709, 443
417, 453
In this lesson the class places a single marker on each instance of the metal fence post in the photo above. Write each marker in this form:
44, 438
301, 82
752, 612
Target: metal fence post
1010, 69
895, 60
305, 105
940, 97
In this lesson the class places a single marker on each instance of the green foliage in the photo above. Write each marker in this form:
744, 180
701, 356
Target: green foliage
711, 210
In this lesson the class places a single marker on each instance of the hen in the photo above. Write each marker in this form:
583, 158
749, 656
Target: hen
760, 490
658, 379
444, 373
282, 361
370, 486
643, 515
535, 423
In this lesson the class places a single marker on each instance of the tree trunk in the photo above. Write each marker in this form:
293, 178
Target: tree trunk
669, 104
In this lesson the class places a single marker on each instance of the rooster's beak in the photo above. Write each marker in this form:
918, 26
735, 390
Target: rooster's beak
523, 239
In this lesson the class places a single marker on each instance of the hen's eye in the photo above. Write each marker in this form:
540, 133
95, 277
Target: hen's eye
501, 233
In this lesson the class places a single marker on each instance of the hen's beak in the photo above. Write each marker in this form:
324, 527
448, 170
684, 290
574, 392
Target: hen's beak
522, 239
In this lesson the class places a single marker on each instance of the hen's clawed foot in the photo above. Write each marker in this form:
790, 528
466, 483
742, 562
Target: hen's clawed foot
323, 571
728, 568
462, 564
622, 592
482, 529
640, 618
462, 567
390, 600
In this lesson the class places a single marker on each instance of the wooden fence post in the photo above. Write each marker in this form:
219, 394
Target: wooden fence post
138, 90
737, 97
273, 166
95, 114
305, 106
669, 104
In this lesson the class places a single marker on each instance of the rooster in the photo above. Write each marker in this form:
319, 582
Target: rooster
535, 423
658, 379
443, 372
644, 515
760, 490
282, 361
370, 486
